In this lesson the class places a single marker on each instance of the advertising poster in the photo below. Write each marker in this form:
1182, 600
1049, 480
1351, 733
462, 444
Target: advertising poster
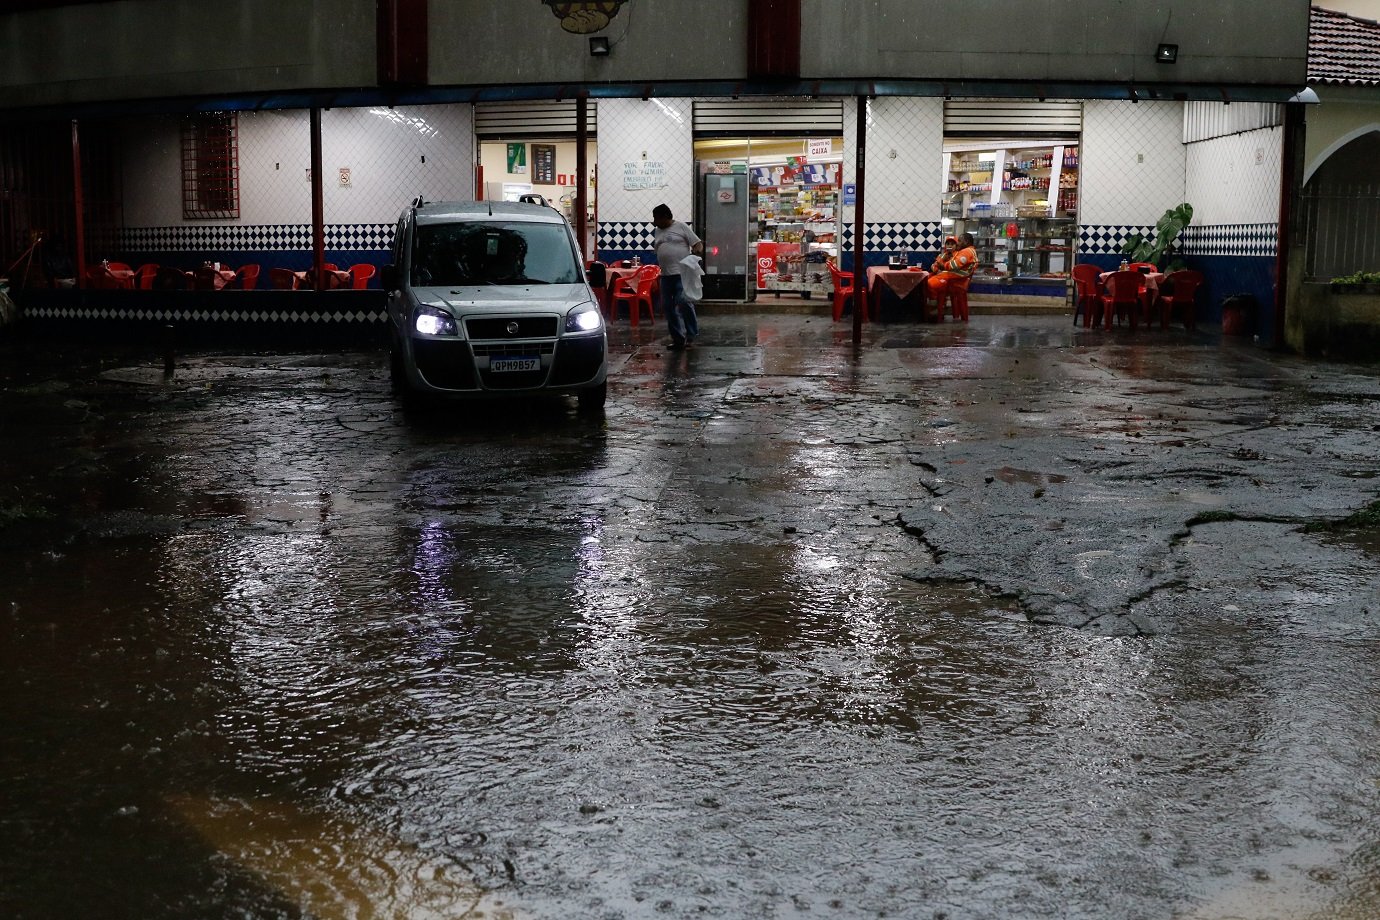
517, 159
544, 164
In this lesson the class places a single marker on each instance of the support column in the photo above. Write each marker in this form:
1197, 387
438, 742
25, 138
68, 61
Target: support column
318, 206
859, 237
80, 206
1291, 185
582, 173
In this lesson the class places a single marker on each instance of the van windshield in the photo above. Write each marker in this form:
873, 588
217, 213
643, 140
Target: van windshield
493, 252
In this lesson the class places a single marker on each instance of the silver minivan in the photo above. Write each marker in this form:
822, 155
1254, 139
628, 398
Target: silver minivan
490, 298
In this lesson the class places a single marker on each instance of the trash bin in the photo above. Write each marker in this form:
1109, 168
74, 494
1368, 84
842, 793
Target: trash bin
1239, 312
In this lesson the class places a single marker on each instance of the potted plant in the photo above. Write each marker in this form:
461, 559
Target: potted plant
1358, 283
1139, 249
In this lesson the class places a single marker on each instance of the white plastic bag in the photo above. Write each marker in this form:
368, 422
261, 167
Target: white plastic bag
692, 278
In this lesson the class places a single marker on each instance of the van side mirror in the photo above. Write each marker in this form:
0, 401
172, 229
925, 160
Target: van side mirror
596, 276
388, 277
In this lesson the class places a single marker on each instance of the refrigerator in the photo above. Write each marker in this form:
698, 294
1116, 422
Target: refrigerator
724, 205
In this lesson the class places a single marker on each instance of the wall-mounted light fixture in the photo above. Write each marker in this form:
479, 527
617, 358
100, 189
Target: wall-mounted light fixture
1167, 54
599, 45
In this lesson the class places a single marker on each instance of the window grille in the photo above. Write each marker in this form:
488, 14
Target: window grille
210, 167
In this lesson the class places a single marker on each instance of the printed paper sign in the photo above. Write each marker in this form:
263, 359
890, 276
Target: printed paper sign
647, 174
819, 147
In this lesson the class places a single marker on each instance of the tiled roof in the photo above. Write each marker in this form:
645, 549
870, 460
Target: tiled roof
1343, 50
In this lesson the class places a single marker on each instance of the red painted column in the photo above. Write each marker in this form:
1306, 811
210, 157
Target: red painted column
402, 42
582, 172
80, 206
318, 206
773, 39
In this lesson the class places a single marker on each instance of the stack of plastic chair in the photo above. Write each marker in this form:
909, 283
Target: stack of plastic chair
1123, 290
844, 289
1085, 293
635, 292
1185, 285
360, 273
282, 279
247, 277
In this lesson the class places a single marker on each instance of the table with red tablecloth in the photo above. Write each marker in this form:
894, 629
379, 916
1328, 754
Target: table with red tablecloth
1149, 290
612, 274
903, 282
335, 279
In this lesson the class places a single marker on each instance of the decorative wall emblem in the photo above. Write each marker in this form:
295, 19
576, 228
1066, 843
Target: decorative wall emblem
584, 16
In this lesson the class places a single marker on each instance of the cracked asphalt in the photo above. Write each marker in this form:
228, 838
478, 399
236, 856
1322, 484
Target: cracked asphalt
1006, 619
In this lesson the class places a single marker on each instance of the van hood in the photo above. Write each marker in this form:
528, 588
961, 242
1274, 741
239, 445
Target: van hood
505, 298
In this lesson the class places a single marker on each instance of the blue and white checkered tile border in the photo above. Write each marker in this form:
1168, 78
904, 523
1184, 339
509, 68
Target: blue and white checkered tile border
253, 237
896, 236
625, 236
1108, 240
241, 316
1232, 240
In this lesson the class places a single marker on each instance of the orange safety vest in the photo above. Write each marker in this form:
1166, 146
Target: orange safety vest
962, 263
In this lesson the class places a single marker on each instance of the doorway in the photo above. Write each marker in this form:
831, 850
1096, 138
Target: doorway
781, 234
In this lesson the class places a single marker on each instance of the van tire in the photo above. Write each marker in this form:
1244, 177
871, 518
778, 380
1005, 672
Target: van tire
593, 399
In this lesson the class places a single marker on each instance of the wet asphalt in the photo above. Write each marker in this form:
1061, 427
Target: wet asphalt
1009, 619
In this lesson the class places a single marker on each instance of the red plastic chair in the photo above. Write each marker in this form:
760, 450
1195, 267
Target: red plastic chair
637, 293
1087, 298
957, 293
144, 275
360, 274
247, 277
282, 279
1185, 284
1123, 290
843, 289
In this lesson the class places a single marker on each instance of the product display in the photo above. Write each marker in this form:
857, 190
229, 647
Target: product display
1020, 204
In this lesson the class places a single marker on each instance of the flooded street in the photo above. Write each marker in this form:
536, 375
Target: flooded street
1016, 620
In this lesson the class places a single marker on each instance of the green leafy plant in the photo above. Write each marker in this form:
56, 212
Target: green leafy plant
1358, 278
1140, 249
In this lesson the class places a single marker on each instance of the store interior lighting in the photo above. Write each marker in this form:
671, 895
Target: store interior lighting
1167, 54
599, 45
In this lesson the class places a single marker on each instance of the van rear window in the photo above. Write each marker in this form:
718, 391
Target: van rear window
493, 252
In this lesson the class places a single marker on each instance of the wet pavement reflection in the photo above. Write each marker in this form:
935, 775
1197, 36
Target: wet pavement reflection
1005, 620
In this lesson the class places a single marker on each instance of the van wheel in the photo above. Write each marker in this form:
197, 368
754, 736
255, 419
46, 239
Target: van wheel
593, 399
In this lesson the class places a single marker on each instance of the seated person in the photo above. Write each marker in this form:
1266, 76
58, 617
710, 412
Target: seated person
955, 266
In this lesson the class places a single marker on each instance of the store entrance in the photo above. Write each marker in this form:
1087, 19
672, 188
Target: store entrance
1019, 200
791, 219
547, 167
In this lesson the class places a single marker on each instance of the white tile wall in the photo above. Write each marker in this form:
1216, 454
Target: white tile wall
1131, 162
382, 148
1236, 179
905, 159
660, 129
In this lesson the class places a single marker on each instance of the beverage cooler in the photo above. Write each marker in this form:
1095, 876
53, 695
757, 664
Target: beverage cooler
724, 206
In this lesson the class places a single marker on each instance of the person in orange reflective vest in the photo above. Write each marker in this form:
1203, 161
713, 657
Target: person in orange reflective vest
954, 267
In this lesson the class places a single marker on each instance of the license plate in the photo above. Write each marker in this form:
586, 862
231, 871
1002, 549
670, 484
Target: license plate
508, 365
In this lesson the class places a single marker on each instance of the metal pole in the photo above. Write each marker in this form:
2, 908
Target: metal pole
318, 206
581, 172
80, 207
1291, 184
859, 270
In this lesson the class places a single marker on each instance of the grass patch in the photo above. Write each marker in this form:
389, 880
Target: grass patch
1368, 518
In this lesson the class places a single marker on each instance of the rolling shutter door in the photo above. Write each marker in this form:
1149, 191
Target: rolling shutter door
1012, 118
769, 118
496, 120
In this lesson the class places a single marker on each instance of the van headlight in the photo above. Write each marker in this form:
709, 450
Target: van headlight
431, 321
584, 318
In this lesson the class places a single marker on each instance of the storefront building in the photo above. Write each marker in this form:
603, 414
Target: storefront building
1053, 143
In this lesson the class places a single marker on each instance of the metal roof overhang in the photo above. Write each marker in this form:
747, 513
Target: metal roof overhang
429, 95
